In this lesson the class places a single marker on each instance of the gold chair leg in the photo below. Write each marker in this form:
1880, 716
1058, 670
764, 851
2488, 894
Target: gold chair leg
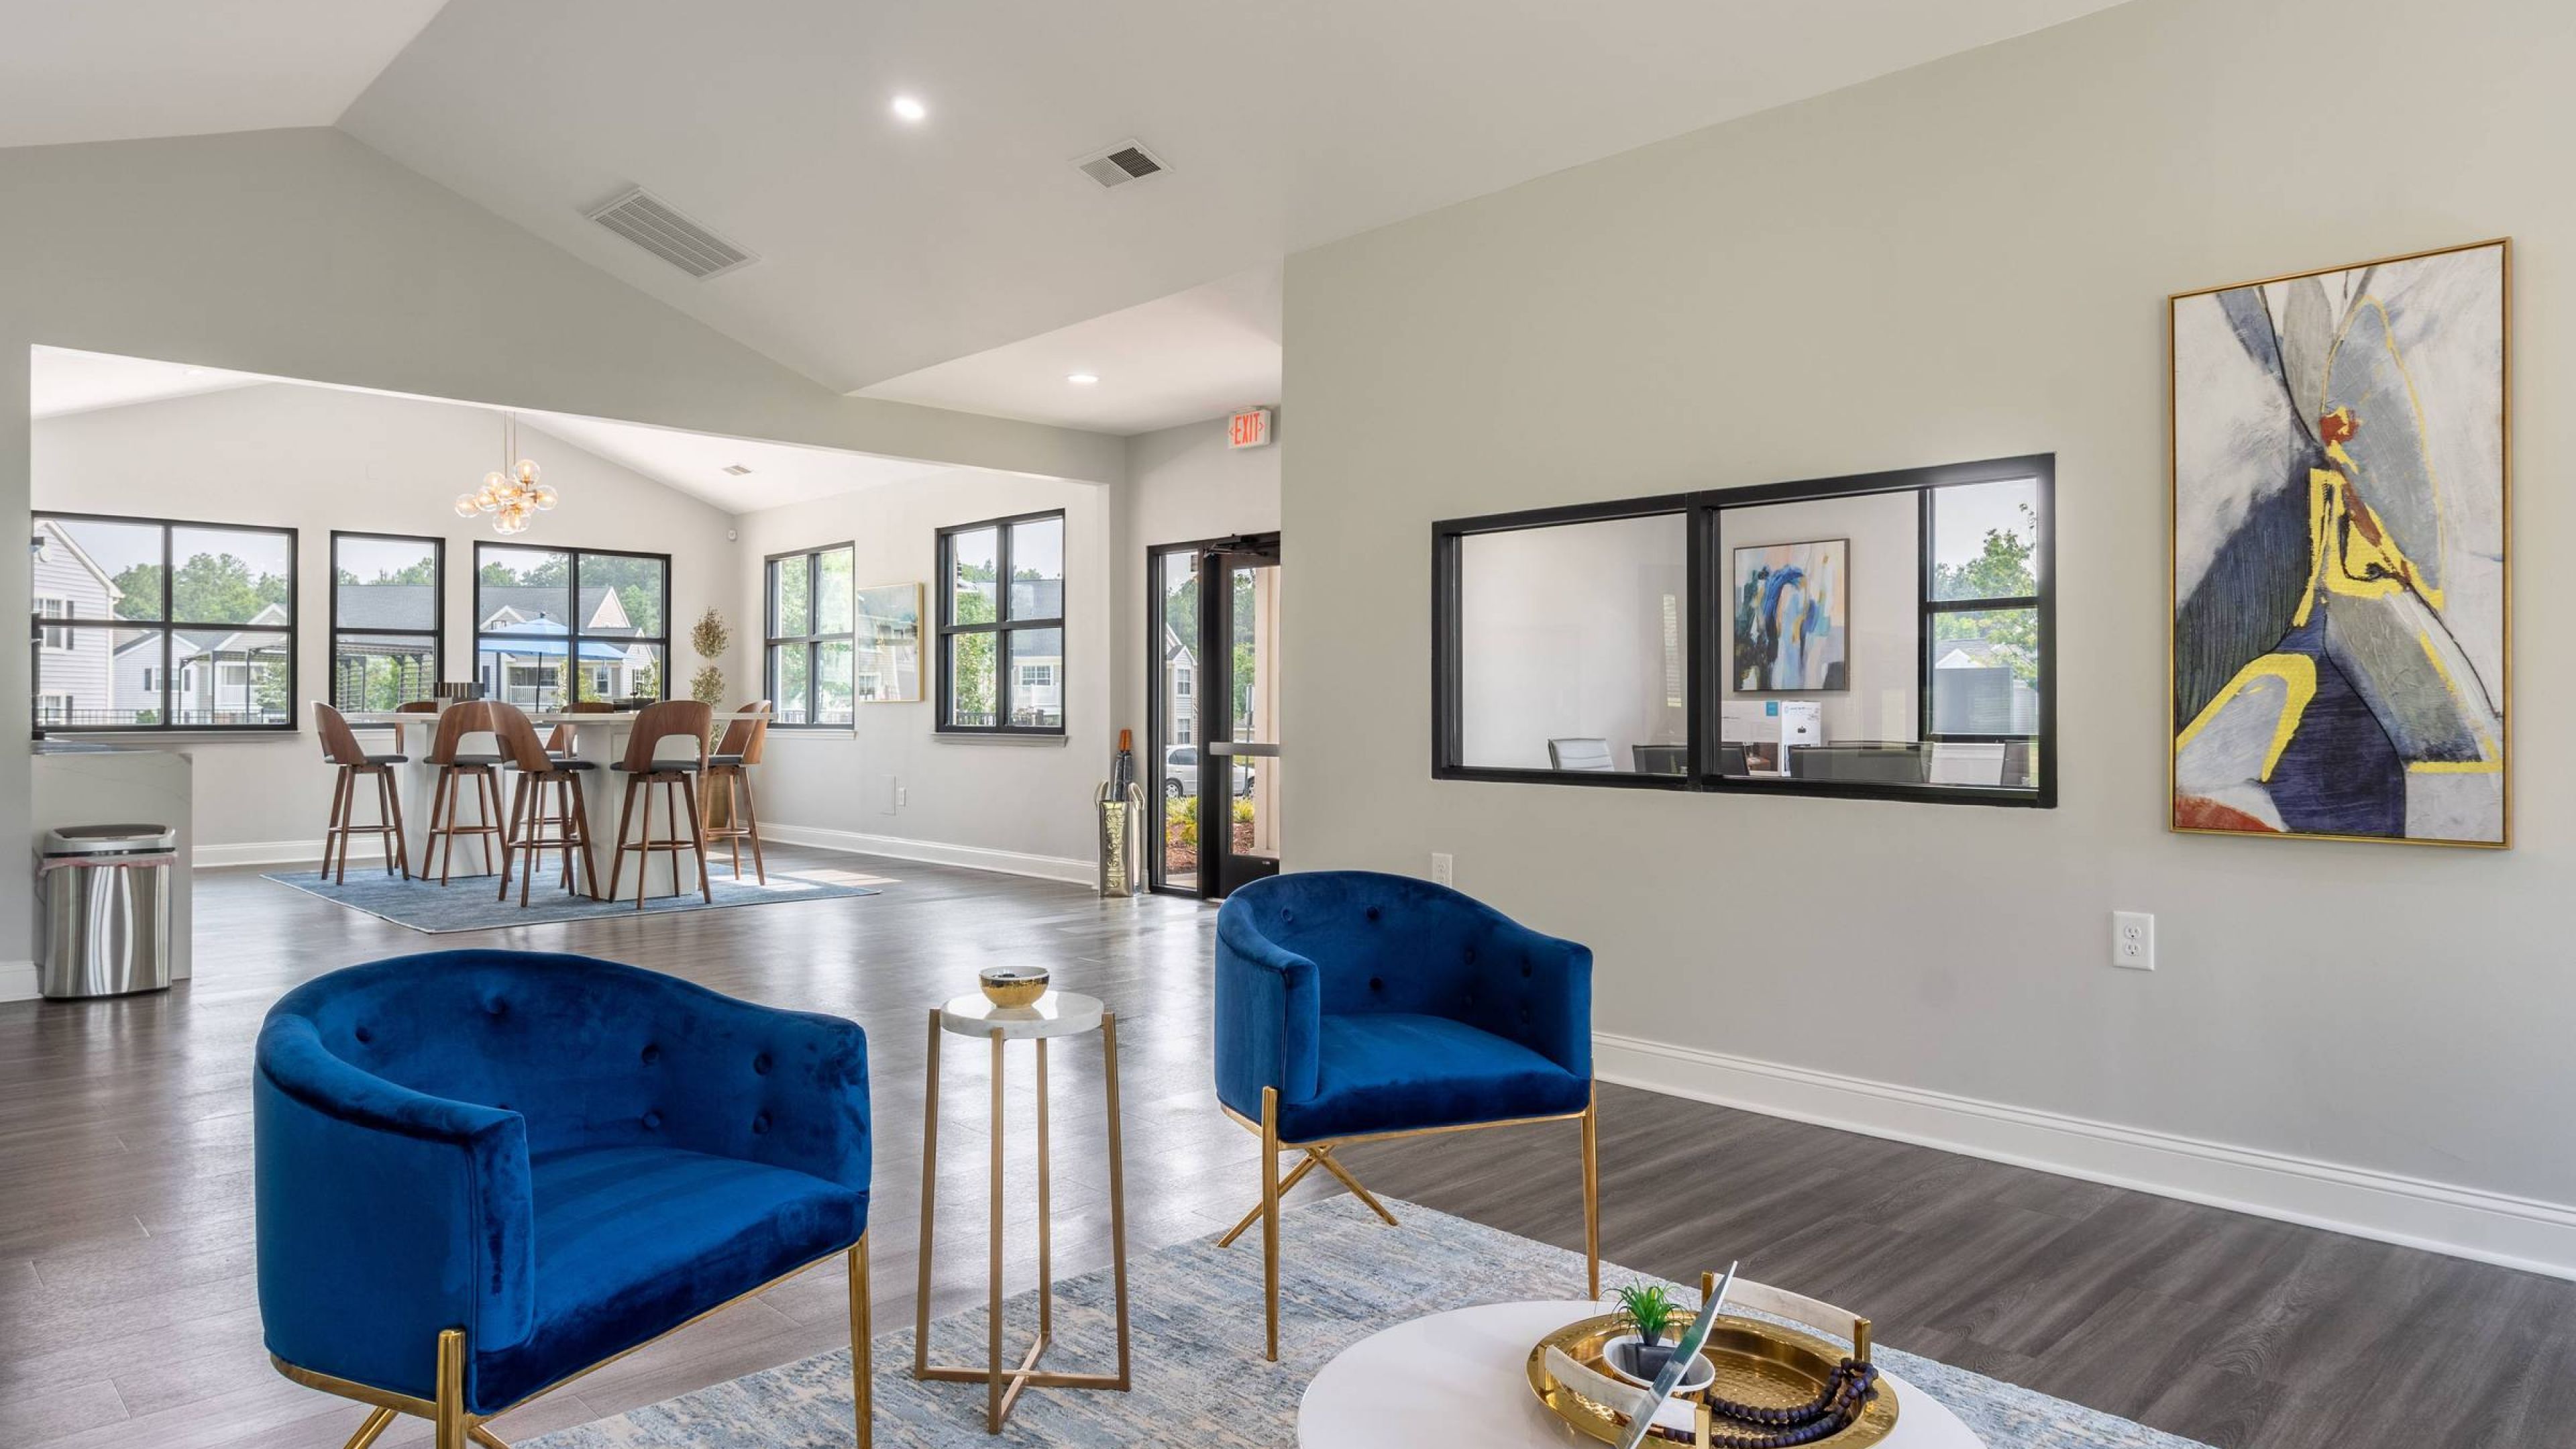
450, 1424
862, 1356
1117, 1185
929, 1202
1269, 1220
372, 1429
1324, 1155
1295, 1175
484, 1437
1592, 1191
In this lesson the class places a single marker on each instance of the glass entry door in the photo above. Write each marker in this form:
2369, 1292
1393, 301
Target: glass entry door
1238, 714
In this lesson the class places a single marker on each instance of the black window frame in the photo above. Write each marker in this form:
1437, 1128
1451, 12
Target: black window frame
771, 639
1003, 626
436, 634
572, 627
1930, 608
1706, 589
166, 627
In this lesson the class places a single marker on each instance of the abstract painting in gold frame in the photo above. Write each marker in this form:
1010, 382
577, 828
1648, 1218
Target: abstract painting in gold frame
2341, 588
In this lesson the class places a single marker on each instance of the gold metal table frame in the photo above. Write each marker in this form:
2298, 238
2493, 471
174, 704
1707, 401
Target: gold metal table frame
454, 1428
1003, 1384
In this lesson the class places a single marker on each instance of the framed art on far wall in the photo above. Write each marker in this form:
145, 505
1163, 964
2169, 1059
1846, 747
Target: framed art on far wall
1792, 617
2342, 624
887, 669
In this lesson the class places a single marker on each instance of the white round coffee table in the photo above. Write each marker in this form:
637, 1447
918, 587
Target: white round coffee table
1462, 1378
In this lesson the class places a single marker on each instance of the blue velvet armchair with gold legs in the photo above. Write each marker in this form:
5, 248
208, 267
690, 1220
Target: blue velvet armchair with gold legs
1352, 1006
482, 1173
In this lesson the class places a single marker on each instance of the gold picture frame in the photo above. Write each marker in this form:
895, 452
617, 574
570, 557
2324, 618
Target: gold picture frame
885, 643
2340, 484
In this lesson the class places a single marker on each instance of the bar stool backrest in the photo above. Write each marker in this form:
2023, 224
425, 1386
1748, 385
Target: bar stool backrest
590, 706
671, 718
339, 742
518, 736
417, 706
744, 737
467, 717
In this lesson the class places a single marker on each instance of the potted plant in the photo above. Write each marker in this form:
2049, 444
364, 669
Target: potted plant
1649, 1311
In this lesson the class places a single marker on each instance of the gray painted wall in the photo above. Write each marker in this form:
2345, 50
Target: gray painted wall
1971, 260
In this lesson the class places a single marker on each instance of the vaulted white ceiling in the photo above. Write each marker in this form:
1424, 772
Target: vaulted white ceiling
891, 250
113, 70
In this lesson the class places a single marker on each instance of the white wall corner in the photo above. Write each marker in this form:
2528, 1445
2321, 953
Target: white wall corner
2512, 1232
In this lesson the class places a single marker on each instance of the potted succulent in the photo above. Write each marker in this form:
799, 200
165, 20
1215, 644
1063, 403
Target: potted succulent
1640, 1356
1649, 1311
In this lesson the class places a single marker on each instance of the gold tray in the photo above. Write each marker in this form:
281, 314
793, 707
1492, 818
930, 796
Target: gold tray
1758, 1362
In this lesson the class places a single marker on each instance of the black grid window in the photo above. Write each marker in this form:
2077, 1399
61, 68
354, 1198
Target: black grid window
1001, 626
809, 645
556, 626
1981, 665
160, 624
388, 618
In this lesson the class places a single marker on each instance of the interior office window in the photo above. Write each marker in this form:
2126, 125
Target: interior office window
159, 624
1982, 660
388, 618
1001, 626
553, 626
1815, 628
1567, 647
810, 646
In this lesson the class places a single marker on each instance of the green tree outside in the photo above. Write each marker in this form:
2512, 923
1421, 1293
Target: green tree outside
2001, 570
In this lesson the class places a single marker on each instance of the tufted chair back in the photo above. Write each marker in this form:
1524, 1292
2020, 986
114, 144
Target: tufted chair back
1316, 944
592, 1054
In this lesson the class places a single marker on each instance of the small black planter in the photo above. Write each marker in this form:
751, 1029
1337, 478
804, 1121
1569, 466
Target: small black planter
1646, 1360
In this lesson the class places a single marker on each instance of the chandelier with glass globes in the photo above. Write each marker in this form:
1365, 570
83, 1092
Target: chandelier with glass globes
510, 493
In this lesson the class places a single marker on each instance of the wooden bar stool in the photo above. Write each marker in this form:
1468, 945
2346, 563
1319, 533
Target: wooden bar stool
730, 766
540, 772
340, 747
682, 718
470, 717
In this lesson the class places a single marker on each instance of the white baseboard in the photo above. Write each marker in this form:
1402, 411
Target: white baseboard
972, 857
17, 980
275, 852
2513, 1232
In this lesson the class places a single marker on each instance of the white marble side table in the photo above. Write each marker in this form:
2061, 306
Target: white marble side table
1056, 1014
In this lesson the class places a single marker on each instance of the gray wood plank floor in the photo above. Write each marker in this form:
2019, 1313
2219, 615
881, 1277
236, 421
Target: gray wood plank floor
127, 1312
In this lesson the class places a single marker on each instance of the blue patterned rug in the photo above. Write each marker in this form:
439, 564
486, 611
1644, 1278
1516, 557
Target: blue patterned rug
1197, 1371
466, 903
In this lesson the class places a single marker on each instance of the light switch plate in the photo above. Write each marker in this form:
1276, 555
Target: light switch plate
1444, 869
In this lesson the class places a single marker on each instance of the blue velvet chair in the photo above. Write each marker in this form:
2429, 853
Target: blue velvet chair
1352, 1006
482, 1173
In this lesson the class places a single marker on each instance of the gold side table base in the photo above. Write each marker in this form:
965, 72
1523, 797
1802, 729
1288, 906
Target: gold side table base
1002, 1384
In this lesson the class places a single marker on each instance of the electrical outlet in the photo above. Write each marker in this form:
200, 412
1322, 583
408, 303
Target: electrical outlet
902, 795
1444, 869
2133, 940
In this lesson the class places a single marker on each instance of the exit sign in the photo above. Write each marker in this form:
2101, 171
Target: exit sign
1249, 428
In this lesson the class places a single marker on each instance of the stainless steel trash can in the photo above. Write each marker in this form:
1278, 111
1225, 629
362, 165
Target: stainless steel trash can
106, 892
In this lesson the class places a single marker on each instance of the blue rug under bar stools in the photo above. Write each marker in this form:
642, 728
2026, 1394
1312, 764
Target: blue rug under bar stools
466, 903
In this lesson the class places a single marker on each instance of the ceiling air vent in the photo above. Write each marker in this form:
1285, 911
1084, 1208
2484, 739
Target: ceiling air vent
1127, 161
737, 470
650, 223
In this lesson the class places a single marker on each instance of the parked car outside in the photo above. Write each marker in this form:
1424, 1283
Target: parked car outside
1181, 773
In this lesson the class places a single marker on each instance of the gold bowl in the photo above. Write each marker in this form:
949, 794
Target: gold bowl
1008, 986
1769, 1365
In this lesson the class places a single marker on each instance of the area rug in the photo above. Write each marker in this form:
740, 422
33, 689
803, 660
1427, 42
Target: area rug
467, 903
1198, 1376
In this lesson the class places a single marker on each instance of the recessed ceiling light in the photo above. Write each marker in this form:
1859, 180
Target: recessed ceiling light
196, 372
1081, 379
908, 109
